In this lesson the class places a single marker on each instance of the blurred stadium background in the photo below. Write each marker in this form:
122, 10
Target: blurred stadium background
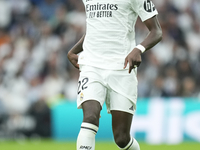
38, 84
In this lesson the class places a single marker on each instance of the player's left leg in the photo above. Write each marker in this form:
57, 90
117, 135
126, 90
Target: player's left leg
121, 123
122, 104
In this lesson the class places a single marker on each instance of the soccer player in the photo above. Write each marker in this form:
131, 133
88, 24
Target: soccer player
108, 63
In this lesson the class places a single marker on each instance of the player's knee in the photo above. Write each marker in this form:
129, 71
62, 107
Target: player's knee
122, 139
92, 118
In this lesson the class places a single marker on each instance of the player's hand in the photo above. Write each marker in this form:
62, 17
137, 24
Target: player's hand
134, 59
73, 58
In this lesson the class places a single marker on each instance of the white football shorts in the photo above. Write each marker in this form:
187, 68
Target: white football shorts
117, 88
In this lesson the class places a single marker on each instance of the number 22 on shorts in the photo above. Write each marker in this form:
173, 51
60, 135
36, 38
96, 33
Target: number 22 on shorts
82, 85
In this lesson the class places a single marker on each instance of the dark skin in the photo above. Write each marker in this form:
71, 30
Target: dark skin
72, 54
154, 36
121, 121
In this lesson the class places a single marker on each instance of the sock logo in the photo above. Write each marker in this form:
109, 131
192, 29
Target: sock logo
149, 6
86, 147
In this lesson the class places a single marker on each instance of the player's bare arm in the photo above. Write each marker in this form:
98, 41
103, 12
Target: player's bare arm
72, 54
154, 36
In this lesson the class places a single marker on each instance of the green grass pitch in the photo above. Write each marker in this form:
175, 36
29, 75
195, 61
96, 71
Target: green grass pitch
52, 145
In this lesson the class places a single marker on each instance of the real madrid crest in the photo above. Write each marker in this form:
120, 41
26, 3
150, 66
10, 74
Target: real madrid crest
81, 96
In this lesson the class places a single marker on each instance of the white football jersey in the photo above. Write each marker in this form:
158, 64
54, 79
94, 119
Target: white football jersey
110, 30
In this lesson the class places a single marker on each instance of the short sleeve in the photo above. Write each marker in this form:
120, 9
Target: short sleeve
144, 8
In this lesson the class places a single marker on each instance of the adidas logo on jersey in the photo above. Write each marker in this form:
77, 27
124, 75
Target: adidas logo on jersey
149, 6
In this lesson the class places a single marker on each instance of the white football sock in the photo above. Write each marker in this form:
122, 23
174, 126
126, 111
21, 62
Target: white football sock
86, 137
132, 145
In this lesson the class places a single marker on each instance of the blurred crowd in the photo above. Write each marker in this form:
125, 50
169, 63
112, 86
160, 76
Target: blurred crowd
172, 68
35, 36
